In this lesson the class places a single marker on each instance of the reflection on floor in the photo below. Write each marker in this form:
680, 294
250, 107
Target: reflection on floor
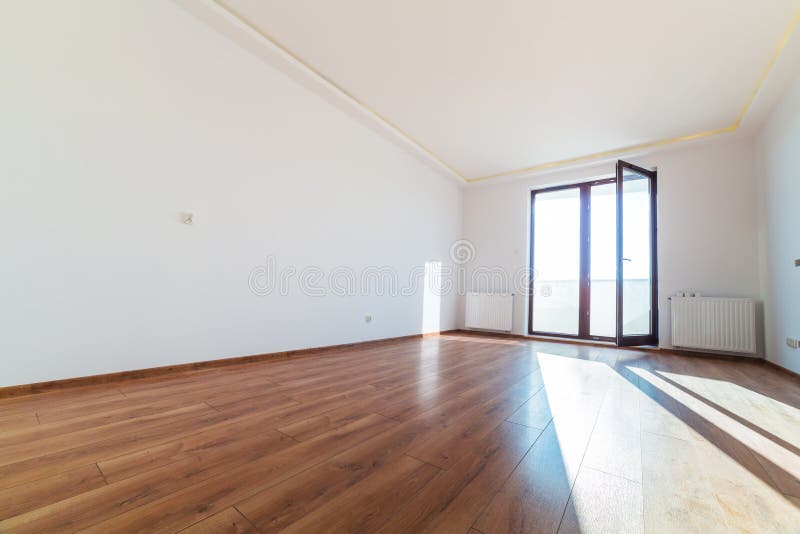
454, 433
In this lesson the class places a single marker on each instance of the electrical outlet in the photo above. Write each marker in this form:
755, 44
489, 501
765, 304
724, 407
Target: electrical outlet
367, 318
791, 342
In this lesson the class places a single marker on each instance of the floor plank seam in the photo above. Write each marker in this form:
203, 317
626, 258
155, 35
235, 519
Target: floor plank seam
38, 421
101, 473
187, 527
612, 475
287, 435
689, 441
255, 527
527, 426
395, 419
423, 461
769, 472
146, 471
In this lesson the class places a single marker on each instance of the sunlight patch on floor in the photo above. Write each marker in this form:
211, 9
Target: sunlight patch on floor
769, 449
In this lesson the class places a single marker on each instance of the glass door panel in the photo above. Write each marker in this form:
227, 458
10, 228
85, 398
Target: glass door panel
636, 257
603, 261
637, 318
556, 222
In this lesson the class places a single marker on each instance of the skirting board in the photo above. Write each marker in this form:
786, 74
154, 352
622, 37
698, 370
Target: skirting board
784, 369
52, 385
42, 387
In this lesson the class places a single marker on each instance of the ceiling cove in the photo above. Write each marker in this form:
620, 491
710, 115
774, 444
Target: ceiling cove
447, 167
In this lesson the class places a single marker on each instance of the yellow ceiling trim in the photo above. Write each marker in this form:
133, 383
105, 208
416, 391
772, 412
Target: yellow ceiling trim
533, 168
606, 153
633, 148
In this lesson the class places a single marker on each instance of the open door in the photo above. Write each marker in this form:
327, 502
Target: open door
637, 284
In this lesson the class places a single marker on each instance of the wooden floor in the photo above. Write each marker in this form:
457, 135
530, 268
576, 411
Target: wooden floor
454, 433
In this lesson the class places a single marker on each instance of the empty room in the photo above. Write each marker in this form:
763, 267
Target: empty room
394, 267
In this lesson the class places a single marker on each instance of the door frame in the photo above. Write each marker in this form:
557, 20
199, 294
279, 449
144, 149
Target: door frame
584, 283
651, 338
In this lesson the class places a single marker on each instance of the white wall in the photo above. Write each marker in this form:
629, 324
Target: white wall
116, 116
779, 165
707, 231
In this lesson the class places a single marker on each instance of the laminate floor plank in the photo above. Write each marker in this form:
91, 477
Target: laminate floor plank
535, 412
95, 420
102, 504
228, 434
534, 497
603, 503
615, 445
18, 421
196, 391
366, 506
64, 460
454, 498
278, 506
69, 440
31, 404
762, 508
452, 433
448, 446
39, 493
677, 493
228, 521
199, 501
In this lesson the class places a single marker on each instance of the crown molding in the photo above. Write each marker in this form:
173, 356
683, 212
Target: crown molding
279, 49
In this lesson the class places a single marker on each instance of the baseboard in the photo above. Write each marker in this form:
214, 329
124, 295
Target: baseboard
66, 383
782, 369
51, 385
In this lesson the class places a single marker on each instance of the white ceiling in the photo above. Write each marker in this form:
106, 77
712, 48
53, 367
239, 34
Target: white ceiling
490, 87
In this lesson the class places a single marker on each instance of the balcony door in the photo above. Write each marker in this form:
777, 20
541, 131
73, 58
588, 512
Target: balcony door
593, 253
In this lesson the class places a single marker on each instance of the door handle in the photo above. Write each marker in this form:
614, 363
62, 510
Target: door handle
626, 259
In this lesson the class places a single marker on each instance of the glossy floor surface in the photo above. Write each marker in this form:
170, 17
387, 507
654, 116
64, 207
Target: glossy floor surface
453, 433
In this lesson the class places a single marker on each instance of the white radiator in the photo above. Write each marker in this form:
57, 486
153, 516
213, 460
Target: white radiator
711, 323
489, 311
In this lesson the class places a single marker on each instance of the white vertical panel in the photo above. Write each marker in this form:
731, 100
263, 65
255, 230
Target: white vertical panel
714, 323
